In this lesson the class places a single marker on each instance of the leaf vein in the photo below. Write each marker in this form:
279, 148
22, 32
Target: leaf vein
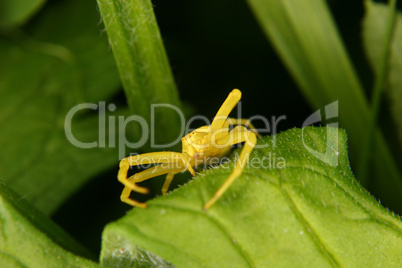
230, 237
308, 227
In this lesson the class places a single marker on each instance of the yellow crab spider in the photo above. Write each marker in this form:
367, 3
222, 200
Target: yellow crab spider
199, 146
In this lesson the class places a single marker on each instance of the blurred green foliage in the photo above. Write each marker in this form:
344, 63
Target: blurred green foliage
56, 54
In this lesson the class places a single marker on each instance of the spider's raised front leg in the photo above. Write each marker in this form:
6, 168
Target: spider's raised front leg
243, 122
223, 112
237, 135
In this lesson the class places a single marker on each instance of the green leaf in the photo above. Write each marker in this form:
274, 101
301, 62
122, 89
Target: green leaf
306, 38
16, 12
29, 239
44, 72
374, 30
289, 208
142, 62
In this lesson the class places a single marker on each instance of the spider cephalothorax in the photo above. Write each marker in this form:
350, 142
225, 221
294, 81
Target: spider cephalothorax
199, 146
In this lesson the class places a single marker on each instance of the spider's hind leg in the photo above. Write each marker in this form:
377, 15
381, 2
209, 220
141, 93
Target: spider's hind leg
168, 181
149, 158
125, 197
122, 177
155, 171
